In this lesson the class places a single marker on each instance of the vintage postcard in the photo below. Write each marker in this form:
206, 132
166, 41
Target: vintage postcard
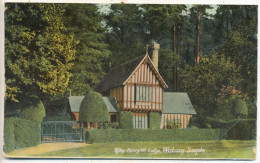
130, 81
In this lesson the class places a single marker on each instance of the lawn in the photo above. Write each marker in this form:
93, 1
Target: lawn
197, 149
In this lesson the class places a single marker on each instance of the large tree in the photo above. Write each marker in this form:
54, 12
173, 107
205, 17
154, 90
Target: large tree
39, 53
84, 21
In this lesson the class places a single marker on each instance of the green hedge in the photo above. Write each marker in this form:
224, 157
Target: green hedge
110, 135
65, 117
243, 130
154, 120
9, 138
125, 120
21, 133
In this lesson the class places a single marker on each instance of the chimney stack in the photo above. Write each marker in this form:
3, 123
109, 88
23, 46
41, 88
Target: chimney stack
155, 48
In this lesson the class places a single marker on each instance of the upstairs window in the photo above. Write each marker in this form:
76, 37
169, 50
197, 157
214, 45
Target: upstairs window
143, 93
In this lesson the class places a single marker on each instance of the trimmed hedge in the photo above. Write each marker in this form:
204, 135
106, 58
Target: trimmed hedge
154, 120
110, 135
93, 108
125, 120
9, 138
240, 109
65, 117
21, 133
243, 130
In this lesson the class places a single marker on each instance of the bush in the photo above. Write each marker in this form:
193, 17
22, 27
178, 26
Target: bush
93, 108
154, 120
243, 130
9, 138
27, 133
21, 133
132, 135
252, 110
65, 117
240, 109
207, 122
125, 120
224, 112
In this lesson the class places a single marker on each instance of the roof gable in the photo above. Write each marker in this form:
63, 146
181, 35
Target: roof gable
177, 103
120, 74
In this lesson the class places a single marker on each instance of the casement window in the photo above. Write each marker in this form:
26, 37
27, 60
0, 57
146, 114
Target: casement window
143, 93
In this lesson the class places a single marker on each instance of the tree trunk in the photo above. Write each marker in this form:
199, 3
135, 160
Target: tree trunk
175, 66
178, 54
198, 40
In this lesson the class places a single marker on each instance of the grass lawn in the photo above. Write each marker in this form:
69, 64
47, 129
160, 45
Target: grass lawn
196, 149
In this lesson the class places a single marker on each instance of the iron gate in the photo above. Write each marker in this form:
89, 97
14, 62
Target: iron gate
61, 131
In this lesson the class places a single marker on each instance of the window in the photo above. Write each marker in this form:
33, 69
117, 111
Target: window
140, 120
143, 93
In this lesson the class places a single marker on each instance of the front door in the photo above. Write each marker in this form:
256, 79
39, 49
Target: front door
140, 120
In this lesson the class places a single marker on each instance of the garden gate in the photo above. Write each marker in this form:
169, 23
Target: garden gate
61, 131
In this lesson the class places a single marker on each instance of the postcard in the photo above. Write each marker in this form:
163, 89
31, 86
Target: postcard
130, 81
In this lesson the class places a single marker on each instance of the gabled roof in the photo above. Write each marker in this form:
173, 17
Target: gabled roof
111, 104
75, 102
121, 73
177, 103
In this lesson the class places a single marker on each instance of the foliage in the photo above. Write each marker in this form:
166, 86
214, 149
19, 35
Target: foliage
9, 138
109, 135
23, 133
203, 81
207, 122
85, 22
65, 117
225, 111
93, 108
125, 120
240, 109
154, 120
243, 130
38, 51
252, 109
29, 107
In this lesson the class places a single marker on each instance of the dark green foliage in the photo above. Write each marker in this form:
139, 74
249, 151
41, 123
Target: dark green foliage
65, 117
27, 133
207, 122
252, 110
29, 107
243, 130
21, 133
93, 108
125, 120
240, 109
9, 138
154, 120
224, 112
111, 135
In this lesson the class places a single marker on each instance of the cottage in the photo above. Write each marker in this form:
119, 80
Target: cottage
137, 87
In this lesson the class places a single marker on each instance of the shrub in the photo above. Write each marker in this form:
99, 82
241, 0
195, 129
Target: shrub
21, 133
9, 138
125, 120
240, 109
65, 117
27, 133
224, 112
243, 130
93, 108
154, 120
252, 111
110, 135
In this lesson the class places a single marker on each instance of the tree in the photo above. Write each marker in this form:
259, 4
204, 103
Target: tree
91, 60
93, 109
39, 53
204, 81
199, 11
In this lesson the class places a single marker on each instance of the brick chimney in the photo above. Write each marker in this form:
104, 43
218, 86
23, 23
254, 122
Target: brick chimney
155, 48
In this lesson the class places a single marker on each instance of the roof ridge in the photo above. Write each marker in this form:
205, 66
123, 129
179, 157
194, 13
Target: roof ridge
122, 64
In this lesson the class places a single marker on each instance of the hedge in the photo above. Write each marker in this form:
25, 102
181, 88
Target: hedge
125, 120
155, 120
132, 135
243, 130
9, 138
65, 117
21, 133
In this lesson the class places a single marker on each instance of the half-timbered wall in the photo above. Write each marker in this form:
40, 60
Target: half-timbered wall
118, 94
143, 82
184, 119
